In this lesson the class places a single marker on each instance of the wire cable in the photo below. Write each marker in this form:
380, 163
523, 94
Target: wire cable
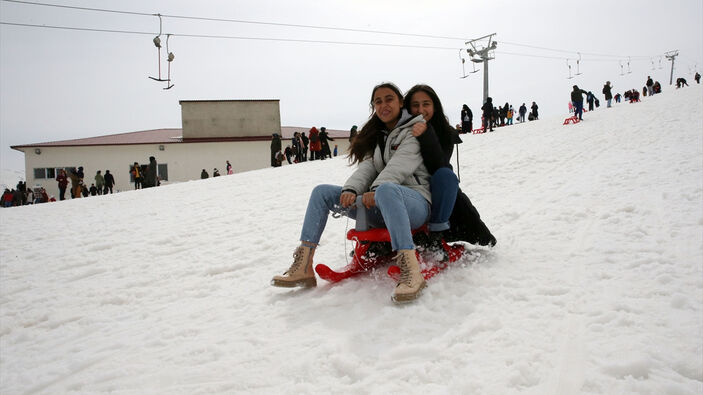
323, 28
230, 37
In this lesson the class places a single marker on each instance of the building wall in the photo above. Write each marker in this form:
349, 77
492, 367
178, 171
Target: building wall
230, 118
185, 160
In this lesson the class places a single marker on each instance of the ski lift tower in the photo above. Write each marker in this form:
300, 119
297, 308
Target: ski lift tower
671, 55
481, 54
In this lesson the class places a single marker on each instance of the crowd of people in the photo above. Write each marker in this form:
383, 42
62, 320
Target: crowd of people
21, 195
493, 117
317, 142
145, 176
73, 181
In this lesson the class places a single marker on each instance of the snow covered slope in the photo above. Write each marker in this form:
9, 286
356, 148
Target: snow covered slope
595, 286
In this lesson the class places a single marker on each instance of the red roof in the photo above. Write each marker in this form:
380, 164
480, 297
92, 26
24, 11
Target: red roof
166, 136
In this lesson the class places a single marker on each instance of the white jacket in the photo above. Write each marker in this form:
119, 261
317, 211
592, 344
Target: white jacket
400, 162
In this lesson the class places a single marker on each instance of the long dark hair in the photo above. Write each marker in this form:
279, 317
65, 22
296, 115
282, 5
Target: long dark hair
367, 138
439, 121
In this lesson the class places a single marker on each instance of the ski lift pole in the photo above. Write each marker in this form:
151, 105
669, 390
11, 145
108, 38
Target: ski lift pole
157, 43
458, 172
170, 58
463, 61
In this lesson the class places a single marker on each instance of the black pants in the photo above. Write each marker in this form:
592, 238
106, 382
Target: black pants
62, 193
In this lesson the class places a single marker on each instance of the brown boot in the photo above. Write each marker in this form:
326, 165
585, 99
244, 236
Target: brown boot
411, 280
301, 272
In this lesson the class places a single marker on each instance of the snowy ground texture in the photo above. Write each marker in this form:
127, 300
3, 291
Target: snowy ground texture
595, 286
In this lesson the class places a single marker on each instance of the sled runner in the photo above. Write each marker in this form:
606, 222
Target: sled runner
372, 249
573, 119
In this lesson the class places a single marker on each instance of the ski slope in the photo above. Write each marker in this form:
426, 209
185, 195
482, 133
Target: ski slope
595, 285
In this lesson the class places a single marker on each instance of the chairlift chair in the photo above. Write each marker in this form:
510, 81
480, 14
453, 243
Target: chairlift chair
578, 63
157, 44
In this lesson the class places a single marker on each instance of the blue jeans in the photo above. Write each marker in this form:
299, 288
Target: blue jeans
609, 102
578, 109
444, 186
398, 208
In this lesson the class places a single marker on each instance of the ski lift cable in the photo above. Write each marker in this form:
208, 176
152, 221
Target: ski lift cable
299, 26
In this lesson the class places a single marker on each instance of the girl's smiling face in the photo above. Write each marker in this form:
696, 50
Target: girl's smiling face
387, 106
421, 103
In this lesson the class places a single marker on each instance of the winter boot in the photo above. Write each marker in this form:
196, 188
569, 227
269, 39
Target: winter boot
300, 273
434, 251
411, 280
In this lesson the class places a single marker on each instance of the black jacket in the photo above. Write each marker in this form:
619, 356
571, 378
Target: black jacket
465, 221
606, 91
487, 109
577, 95
437, 150
109, 180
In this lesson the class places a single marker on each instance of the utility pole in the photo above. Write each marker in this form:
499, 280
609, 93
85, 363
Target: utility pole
671, 55
482, 55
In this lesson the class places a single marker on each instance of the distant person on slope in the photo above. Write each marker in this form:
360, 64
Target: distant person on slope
650, 86
137, 174
522, 111
487, 114
577, 99
150, 179
75, 184
590, 98
392, 183
63, 183
99, 182
275, 147
607, 91
697, 77
467, 119
109, 182
437, 139
534, 113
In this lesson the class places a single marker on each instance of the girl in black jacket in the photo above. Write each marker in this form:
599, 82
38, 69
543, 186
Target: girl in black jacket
437, 138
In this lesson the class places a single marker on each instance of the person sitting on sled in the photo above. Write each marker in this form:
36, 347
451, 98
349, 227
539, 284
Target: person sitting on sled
437, 139
395, 188
453, 217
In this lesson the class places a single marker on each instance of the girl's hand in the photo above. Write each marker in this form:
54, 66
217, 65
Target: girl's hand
368, 199
419, 128
347, 199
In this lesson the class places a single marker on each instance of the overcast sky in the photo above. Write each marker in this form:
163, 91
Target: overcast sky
58, 84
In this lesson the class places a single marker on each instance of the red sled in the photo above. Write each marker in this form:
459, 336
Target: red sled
367, 255
573, 119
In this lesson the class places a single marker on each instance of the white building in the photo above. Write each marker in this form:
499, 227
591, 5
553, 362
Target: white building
214, 131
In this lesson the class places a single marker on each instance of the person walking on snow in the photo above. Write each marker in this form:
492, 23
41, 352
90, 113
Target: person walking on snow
650, 86
607, 91
487, 114
99, 182
109, 182
577, 99
63, 183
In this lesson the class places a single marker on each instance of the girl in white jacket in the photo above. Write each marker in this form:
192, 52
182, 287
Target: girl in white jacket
393, 184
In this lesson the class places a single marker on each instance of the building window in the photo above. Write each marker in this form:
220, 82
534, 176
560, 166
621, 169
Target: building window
39, 173
162, 171
51, 173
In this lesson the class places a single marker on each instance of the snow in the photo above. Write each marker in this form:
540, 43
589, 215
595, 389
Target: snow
9, 178
595, 285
